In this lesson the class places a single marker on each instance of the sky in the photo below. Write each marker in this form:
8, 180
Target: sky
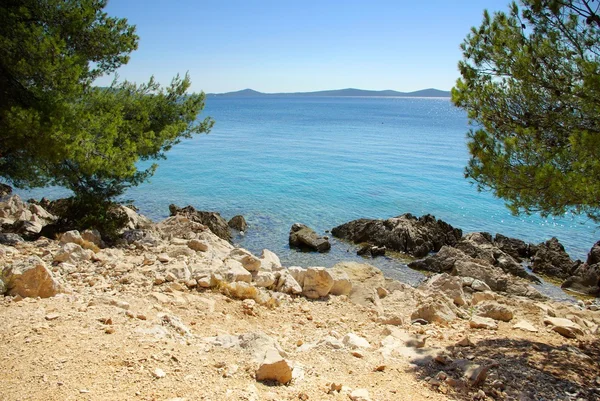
299, 46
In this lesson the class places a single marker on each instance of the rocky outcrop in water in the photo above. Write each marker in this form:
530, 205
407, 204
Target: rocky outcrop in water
238, 223
213, 220
458, 263
552, 260
586, 277
305, 238
405, 233
480, 246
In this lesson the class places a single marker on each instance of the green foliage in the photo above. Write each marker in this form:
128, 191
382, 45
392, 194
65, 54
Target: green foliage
58, 129
530, 83
89, 211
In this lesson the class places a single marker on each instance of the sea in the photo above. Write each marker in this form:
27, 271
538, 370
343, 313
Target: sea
323, 161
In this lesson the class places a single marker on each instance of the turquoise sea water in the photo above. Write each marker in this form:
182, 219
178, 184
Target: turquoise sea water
326, 161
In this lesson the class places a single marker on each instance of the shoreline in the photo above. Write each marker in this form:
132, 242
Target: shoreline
178, 312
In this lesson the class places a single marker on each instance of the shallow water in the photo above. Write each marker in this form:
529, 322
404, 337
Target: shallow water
326, 161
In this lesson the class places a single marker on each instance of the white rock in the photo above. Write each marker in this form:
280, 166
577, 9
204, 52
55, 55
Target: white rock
450, 286
298, 273
287, 284
159, 373
525, 326
478, 322
73, 253
71, 236
495, 311
317, 282
269, 261
233, 271
564, 327
264, 279
274, 368
249, 261
360, 394
354, 341
341, 283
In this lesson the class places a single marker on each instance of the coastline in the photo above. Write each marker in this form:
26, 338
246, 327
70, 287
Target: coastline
179, 312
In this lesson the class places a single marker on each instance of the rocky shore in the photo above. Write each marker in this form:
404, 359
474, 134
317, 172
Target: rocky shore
176, 312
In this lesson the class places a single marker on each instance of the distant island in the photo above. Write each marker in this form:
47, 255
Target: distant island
350, 92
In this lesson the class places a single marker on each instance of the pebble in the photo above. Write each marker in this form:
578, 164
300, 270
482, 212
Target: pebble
52, 316
159, 373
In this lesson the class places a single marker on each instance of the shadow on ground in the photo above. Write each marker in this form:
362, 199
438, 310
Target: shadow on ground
518, 369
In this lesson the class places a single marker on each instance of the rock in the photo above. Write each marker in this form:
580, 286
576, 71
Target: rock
525, 326
241, 290
479, 322
72, 236
449, 286
482, 296
341, 282
298, 273
5, 190
514, 247
360, 394
269, 261
198, 245
274, 368
140, 237
443, 261
405, 233
159, 373
354, 341
213, 220
479, 246
30, 278
434, 310
233, 271
94, 237
593, 256
495, 311
72, 253
287, 284
136, 221
586, 278
305, 238
552, 260
264, 279
479, 285
317, 283
564, 327
238, 223
11, 239
249, 261
371, 250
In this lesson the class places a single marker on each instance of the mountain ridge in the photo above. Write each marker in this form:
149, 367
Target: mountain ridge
348, 92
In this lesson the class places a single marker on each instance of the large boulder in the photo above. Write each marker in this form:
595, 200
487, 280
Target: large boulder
405, 233
212, 220
586, 278
317, 283
365, 281
451, 287
552, 260
30, 278
306, 238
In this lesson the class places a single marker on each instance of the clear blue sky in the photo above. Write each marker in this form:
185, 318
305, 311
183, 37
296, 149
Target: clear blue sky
289, 45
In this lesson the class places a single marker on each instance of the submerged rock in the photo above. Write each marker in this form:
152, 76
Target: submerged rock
306, 238
405, 233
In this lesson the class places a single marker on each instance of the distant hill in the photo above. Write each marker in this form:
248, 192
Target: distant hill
341, 92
